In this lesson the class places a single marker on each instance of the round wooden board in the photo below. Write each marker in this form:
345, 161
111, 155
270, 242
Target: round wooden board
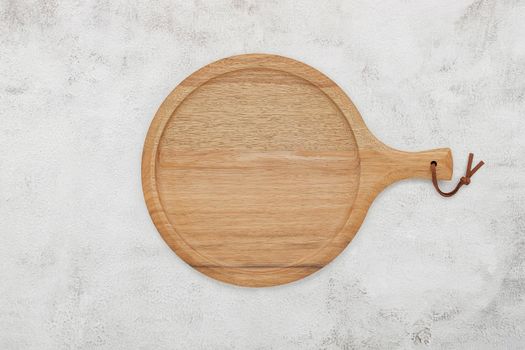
258, 170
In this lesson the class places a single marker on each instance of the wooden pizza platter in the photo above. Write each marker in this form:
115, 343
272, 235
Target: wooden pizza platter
258, 170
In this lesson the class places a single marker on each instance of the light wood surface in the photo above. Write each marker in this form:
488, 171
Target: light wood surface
258, 170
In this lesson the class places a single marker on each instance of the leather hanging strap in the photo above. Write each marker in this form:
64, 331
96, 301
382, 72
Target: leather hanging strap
465, 180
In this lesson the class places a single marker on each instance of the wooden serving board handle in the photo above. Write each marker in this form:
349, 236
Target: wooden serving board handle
406, 165
382, 165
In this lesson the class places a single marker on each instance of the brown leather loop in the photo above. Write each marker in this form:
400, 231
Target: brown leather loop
465, 180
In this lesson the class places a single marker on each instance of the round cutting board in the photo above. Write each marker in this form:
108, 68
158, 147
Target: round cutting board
258, 170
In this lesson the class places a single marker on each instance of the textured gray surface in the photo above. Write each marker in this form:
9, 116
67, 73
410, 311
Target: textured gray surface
81, 264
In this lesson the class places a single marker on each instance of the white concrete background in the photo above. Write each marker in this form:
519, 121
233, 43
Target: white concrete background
81, 264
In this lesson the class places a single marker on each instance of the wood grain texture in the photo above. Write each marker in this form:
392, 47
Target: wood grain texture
258, 170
